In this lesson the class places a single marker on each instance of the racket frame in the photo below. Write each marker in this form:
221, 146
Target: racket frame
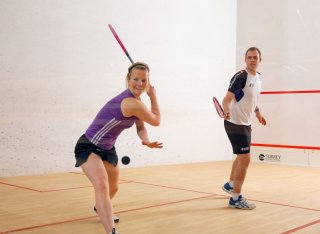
218, 107
120, 43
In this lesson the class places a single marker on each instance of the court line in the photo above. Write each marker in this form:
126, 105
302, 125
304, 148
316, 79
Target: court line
170, 187
301, 227
163, 186
164, 204
217, 194
47, 225
90, 217
21, 187
49, 190
43, 191
285, 146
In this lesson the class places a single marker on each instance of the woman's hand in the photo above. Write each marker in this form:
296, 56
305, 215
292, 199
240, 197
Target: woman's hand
154, 144
151, 91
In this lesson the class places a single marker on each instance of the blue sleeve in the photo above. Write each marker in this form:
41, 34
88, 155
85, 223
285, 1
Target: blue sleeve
237, 83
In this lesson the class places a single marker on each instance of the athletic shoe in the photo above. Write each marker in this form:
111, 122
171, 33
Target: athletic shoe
241, 203
114, 231
227, 188
115, 218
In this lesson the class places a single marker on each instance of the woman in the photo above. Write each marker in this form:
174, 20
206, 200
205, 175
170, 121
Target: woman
95, 151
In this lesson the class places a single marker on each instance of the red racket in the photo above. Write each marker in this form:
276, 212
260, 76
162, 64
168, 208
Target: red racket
120, 43
218, 107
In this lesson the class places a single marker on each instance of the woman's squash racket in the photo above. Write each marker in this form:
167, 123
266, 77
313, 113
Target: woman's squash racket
125, 159
119, 41
218, 107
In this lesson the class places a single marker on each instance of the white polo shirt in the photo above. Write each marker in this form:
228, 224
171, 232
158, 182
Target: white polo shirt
246, 88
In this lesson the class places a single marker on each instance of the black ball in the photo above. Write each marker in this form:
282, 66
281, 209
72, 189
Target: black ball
125, 160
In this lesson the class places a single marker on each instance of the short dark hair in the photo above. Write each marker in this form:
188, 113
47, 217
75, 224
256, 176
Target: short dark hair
253, 49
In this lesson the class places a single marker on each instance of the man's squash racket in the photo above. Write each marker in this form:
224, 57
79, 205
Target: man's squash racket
218, 107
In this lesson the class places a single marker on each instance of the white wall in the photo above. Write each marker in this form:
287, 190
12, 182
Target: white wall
60, 64
287, 32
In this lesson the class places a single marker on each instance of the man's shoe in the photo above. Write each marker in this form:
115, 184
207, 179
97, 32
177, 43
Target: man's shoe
227, 188
241, 203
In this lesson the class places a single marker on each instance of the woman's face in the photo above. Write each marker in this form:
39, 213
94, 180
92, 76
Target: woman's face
138, 81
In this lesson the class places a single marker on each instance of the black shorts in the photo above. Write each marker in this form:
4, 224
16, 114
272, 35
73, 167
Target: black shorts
239, 136
84, 148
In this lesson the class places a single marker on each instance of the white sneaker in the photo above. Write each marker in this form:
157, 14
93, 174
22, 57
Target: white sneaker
227, 188
241, 203
115, 218
114, 231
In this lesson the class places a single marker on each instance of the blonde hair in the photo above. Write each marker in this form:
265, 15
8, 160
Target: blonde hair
140, 66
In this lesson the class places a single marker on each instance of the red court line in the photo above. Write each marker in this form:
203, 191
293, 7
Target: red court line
52, 190
301, 227
215, 194
43, 191
291, 92
286, 146
90, 217
291, 206
153, 206
47, 225
170, 187
21, 187
77, 173
168, 203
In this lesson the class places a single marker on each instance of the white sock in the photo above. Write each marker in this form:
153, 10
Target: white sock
231, 183
235, 196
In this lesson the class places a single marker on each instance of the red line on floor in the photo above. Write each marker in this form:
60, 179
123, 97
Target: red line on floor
301, 227
21, 187
43, 191
286, 146
291, 206
215, 194
90, 217
164, 186
164, 204
77, 173
53, 190
46, 225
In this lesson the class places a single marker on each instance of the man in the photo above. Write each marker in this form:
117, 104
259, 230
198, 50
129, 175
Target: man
240, 104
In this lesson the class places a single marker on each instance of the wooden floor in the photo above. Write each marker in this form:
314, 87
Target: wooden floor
176, 199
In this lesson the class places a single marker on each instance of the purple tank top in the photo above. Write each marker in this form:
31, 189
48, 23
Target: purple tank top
109, 123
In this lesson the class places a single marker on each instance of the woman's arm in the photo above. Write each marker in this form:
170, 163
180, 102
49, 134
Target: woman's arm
135, 107
143, 135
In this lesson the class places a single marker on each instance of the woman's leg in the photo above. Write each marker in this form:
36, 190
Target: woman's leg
113, 178
96, 172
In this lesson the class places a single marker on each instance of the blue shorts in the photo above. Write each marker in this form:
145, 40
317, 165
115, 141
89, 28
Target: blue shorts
84, 148
239, 136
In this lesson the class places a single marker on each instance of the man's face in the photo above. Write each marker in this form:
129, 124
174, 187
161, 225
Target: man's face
252, 60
